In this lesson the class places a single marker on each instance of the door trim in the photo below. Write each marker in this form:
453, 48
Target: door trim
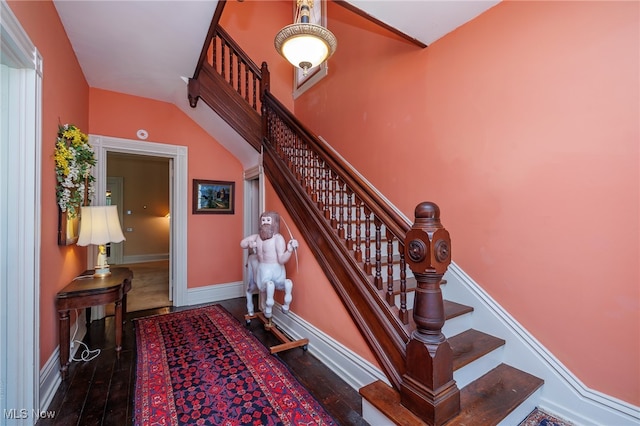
179, 204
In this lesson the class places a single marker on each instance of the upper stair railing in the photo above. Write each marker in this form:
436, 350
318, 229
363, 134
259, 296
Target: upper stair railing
229, 82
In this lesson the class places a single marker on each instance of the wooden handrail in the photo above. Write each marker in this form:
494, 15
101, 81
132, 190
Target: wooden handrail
210, 34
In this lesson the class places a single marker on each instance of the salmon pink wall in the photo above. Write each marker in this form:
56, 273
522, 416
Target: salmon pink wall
65, 98
523, 126
209, 236
313, 296
253, 24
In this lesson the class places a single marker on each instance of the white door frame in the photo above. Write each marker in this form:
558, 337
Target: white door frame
178, 202
20, 221
253, 206
116, 183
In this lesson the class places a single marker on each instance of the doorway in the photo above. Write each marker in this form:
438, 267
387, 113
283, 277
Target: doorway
178, 209
139, 186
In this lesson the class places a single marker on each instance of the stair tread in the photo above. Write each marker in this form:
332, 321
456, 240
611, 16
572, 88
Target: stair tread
471, 345
454, 309
387, 401
451, 310
493, 396
485, 401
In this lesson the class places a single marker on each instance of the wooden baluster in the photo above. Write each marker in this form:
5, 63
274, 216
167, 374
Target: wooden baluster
215, 41
308, 172
367, 240
427, 387
340, 209
377, 280
254, 83
349, 221
322, 204
299, 160
403, 313
316, 180
230, 51
223, 56
334, 207
389, 295
245, 82
328, 196
358, 244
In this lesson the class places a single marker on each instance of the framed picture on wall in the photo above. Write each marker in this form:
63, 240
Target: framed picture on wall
213, 197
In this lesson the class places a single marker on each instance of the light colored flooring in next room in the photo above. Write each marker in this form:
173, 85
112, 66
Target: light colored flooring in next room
149, 287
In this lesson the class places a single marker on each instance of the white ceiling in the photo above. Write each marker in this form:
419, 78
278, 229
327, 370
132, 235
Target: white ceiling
150, 48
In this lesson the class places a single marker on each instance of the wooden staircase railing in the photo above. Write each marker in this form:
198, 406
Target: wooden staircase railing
345, 224
229, 82
378, 263
356, 236
333, 207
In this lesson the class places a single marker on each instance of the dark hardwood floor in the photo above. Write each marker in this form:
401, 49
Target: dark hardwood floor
101, 391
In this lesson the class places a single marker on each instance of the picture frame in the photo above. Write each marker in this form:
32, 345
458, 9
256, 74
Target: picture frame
213, 197
301, 82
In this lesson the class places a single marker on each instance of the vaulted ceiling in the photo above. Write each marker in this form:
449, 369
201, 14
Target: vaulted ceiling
150, 48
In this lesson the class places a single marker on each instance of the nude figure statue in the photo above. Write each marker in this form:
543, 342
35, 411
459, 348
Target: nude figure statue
265, 265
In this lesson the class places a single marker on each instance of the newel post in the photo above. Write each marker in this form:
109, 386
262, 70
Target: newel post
428, 388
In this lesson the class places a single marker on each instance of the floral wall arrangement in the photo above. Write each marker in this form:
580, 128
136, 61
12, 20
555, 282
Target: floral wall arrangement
74, 158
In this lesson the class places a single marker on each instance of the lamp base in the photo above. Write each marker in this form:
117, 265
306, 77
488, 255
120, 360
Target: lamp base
101, 272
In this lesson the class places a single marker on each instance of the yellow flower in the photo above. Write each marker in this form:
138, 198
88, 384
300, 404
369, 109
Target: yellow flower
62, 157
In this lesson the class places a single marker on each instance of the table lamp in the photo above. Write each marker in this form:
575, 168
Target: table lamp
100, 225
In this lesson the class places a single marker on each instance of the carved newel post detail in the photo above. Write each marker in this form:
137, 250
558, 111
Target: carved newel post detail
428, 388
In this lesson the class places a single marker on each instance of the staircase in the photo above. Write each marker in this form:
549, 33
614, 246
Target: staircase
380, 264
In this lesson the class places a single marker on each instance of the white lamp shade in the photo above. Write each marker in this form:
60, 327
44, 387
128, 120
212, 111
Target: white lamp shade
305, 45
99, 225
305, 49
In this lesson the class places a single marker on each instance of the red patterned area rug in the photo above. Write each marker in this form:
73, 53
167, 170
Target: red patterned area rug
203, 367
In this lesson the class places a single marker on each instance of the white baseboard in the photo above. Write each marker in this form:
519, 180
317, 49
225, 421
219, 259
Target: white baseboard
141, 258
351, 367
214, 293
563, 393
50, 377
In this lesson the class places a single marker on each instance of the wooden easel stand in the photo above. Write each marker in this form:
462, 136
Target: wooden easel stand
287, 343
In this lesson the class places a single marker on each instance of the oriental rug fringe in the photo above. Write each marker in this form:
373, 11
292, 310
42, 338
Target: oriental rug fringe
201, 366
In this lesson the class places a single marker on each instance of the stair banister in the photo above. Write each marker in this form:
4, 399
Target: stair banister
428, 388
379, 206
419, 365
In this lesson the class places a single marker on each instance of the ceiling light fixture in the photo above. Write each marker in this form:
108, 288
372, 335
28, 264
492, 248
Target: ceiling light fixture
304, 44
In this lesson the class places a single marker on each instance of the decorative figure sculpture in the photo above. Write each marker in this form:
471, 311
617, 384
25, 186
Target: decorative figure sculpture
265, 265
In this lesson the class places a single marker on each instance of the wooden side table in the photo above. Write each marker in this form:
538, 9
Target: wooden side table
86, 292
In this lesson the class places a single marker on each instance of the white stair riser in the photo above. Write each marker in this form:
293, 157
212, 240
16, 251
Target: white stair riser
476, 369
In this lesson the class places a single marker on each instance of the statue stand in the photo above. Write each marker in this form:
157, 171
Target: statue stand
287, 342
